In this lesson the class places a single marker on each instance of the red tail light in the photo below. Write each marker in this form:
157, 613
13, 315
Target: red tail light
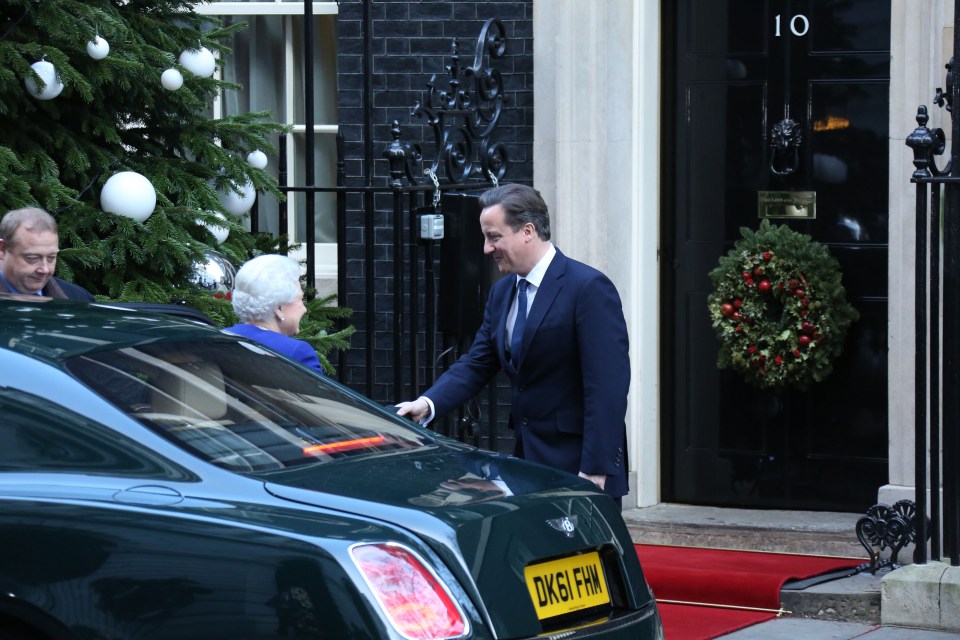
416, 602
344, 445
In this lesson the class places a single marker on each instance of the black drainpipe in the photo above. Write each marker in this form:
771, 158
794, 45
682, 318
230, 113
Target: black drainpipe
368, 200
308, 166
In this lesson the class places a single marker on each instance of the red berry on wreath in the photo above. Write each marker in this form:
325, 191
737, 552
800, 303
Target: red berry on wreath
808, 328
750, 282
804, 340
764, 286
799, 293
758, 271
796, 352
794, 283
752, 348
767, 255
738, 303
726, 308
738, 328
736, 315
745, 275
778, 360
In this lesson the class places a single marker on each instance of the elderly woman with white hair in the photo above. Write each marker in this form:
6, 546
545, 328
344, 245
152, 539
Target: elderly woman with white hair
268, 300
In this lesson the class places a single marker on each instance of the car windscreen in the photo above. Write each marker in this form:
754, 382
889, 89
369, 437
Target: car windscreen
239, 406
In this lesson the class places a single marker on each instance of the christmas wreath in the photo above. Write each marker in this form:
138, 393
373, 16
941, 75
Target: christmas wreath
779, 308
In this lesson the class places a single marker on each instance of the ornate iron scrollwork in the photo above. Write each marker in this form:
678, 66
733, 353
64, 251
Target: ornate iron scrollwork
943, 97
785, 139
886, 527
463, 117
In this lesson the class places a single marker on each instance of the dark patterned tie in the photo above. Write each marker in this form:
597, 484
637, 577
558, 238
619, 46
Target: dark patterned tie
520, 322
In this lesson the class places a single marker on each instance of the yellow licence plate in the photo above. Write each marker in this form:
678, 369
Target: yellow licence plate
567, 585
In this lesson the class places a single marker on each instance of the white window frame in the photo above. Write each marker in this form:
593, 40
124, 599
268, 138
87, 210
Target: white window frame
325, 253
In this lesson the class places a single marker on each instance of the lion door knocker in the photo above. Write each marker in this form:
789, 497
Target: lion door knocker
785, 139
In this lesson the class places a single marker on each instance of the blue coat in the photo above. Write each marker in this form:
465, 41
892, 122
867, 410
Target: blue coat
569, 393
295, 349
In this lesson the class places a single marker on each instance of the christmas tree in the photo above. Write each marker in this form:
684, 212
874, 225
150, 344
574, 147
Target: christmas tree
105, 104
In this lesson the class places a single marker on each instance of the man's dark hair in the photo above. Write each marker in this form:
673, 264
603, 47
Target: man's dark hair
521, 204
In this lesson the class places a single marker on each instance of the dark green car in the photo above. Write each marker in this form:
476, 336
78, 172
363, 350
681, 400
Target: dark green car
163, 479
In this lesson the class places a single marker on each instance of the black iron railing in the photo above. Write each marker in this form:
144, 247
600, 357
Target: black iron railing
460, 113
937, 374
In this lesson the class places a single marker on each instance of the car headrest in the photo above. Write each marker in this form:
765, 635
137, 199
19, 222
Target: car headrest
192, 389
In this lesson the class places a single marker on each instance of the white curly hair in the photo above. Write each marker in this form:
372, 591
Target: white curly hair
263, 284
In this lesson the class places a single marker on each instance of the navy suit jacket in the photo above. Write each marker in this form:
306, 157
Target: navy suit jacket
569, 390
57, 288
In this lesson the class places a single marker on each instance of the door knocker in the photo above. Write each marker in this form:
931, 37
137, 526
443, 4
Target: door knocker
785, 139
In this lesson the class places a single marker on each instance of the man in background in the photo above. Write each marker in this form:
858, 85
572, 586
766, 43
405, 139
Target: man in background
556, 327
28, 250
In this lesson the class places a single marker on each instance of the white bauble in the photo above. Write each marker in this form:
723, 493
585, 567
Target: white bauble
238, 203
219, 232
129, 194
171, 79
98, 48
51, 80
199, 62
257, 159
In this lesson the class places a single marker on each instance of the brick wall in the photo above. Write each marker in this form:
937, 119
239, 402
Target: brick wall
410, 42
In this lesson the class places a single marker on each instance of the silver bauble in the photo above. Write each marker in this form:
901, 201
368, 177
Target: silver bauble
214, 273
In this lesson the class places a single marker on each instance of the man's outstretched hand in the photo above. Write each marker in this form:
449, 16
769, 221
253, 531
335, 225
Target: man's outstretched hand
417, 410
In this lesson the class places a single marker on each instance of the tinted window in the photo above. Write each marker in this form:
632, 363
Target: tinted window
238, 406
39, 435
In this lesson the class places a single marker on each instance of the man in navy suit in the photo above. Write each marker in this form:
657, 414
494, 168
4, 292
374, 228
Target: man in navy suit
28, 250
568, 363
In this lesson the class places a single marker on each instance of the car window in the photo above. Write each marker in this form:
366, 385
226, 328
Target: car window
239, 406
37, 434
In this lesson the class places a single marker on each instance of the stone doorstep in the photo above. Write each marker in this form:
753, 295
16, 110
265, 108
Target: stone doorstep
852, 599
806, 532
855, 598
926, 596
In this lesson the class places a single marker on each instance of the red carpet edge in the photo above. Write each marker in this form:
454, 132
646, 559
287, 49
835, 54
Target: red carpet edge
704, 593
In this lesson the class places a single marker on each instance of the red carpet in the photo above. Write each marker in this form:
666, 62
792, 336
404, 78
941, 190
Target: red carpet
719, 577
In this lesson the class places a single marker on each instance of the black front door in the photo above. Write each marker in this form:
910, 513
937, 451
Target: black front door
735, 69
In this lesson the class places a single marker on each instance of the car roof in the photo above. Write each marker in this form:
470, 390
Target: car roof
56, 330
